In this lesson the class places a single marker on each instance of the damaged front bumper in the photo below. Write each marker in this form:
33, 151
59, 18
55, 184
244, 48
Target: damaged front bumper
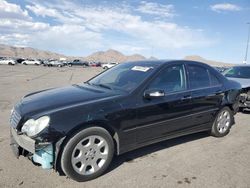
41, 153
245, 100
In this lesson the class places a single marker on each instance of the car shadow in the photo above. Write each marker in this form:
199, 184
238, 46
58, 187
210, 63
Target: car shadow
147, 150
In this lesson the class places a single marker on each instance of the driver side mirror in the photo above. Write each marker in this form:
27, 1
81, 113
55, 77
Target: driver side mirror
155, 93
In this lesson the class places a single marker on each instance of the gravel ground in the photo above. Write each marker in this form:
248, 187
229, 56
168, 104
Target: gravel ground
196, 160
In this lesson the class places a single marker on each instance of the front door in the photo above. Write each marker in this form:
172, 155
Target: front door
161, 116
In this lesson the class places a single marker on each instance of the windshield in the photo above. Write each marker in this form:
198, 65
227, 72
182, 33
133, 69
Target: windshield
238, 72
125, 76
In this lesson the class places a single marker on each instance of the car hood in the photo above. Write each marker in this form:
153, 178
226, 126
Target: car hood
51, 99
244, 82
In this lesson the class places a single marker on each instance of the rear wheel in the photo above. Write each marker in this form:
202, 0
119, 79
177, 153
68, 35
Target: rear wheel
222, 123
87, 154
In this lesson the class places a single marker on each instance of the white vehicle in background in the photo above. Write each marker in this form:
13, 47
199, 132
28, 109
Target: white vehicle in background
5, 61
108, 65
31, 62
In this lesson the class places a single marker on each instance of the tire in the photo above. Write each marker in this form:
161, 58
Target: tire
222, 123
10, 63
81, 154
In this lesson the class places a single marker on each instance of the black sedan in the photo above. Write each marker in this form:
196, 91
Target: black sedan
78, 129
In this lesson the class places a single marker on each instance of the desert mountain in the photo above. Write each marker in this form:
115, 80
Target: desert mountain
26, 52
113, 56
212, 63
102, 56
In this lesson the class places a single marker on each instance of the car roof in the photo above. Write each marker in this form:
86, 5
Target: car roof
165, 62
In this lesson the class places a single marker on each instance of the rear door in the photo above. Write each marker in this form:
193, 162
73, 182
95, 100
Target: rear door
206, 91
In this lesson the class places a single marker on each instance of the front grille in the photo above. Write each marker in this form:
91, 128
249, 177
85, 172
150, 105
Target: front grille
15, 118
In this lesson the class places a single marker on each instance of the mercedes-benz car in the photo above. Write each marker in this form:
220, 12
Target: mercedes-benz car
241, 74
78, 129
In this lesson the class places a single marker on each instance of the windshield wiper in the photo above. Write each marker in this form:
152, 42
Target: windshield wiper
103, 85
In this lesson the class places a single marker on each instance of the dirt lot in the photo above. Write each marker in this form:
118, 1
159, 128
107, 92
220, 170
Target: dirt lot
192, 161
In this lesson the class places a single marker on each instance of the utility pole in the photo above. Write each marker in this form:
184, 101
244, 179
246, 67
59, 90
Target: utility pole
248, 36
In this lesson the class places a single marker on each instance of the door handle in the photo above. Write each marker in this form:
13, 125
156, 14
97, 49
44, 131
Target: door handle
187, 97
218, 92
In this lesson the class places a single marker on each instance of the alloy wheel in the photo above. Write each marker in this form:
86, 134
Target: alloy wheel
89, 155
223, 121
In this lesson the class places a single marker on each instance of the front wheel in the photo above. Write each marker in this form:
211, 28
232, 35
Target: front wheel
87, 154
223, 122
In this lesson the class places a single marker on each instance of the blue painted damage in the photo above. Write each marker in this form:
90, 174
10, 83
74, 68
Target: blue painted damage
44, 157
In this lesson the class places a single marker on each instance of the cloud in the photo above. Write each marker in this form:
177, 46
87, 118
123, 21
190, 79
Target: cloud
67, 38
10, 10
15, 38
225, 7
42, 11
22, 25
156, 9
80, 29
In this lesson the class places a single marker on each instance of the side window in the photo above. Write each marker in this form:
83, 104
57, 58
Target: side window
172, 79
213, 79
198, 77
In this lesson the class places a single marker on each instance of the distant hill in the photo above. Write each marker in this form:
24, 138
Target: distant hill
101, 56
26, 52
113, 56
209, 62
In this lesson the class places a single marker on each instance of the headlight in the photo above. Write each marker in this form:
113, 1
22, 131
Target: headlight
33, 127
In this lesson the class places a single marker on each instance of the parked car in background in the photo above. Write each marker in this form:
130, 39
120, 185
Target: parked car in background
241, 74
31, 62
19, 60
78, 62
6, 61
55, 63
221, 69
108, 65
95, 64
79, 128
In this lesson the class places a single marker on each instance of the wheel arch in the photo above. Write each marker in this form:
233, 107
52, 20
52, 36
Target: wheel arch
59, 145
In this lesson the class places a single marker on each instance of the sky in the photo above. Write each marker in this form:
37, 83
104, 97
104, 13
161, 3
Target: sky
166, 29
